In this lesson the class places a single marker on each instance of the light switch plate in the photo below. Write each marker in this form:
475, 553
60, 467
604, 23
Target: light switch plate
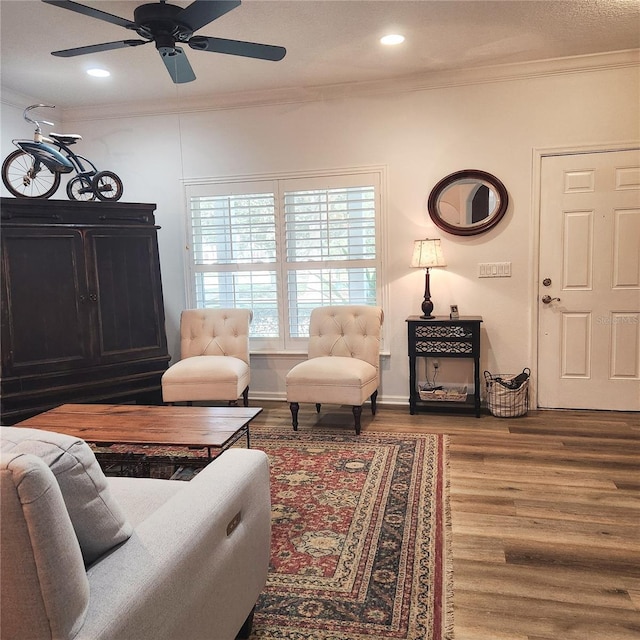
494, 270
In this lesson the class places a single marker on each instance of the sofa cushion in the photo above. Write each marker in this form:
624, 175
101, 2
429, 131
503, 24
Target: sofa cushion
98, 520
140, 497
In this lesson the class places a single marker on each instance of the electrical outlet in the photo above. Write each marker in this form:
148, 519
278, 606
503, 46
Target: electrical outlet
436, 364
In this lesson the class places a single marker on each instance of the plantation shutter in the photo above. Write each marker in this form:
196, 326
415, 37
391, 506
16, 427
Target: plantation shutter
330, 240
233, 248
282, 247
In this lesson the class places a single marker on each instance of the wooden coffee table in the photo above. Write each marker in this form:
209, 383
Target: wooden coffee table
213, 428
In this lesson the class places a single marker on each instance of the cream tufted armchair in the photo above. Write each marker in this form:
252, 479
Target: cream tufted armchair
343, 362
214, 365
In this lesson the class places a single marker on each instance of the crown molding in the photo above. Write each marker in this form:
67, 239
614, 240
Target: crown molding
421, 82
11, 98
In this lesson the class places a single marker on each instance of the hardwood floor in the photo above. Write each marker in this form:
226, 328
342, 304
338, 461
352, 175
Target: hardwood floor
545, 518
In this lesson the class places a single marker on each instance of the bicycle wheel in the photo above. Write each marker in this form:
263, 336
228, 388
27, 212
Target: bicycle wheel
107, 186
80, 188
26, 179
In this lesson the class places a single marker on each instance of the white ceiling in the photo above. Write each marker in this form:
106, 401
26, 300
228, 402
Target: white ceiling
328, 42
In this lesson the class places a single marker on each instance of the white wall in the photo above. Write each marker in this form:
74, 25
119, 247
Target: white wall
420, 136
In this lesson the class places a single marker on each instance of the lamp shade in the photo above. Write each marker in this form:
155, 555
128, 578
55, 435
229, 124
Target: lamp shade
427, 253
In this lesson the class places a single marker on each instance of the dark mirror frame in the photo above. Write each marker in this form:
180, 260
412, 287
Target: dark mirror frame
470, 230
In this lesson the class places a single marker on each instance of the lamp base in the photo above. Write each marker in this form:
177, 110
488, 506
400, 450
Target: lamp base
427, 308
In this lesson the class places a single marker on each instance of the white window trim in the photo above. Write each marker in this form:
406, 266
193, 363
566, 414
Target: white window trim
266, 346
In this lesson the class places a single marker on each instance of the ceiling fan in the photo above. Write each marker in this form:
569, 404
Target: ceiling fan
167, 24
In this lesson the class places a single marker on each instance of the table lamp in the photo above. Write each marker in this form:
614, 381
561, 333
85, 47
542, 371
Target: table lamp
426, 254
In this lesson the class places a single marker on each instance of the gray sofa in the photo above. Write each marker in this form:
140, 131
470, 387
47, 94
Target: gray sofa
94, 558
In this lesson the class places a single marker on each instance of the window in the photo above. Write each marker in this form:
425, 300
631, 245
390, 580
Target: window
283, 247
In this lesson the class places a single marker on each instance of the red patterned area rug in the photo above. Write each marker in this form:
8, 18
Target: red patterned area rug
360, 537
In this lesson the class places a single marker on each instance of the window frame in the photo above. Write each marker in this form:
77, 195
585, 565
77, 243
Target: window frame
278, 184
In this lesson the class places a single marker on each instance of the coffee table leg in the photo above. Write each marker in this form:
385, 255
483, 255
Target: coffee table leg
230, 442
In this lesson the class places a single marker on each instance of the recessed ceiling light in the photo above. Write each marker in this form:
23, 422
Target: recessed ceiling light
392, 38
98, 73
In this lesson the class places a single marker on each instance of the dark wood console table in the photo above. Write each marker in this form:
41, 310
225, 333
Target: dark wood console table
442, 337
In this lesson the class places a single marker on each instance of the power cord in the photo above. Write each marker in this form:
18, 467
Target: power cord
432, 384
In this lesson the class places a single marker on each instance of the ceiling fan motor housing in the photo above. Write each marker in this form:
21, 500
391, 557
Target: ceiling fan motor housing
159, 21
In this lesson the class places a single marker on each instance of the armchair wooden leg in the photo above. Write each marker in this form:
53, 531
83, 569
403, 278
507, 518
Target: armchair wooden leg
374, 398
357, 412
294, 406
245, 397
245, 631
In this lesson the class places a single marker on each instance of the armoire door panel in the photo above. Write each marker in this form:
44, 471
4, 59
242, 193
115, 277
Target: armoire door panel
127, 276
44, 282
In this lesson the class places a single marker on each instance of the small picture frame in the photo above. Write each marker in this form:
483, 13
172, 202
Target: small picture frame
454, 315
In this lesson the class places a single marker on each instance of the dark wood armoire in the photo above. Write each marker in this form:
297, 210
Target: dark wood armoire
82, 308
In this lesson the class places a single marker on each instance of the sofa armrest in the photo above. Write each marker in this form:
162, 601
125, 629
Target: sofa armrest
195, 567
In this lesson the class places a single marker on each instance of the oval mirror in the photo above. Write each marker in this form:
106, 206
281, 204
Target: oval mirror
468, 202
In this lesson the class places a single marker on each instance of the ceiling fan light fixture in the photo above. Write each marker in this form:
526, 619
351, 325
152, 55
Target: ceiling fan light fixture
98, 73
392, 39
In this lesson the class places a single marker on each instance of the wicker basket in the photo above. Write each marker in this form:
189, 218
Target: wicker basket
444, 394
503, 401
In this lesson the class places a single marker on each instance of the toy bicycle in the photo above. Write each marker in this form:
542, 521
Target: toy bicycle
35, 169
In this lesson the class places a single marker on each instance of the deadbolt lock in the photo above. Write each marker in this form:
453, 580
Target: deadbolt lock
547, 282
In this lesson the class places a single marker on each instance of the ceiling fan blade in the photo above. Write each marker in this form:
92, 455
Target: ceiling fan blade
96, 48
177, 64
202, 12
91, 12
237, 48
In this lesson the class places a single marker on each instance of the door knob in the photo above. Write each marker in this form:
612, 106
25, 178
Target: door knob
549, 299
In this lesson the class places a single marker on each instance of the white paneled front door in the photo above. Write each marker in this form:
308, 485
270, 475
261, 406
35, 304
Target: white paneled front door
589, 282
